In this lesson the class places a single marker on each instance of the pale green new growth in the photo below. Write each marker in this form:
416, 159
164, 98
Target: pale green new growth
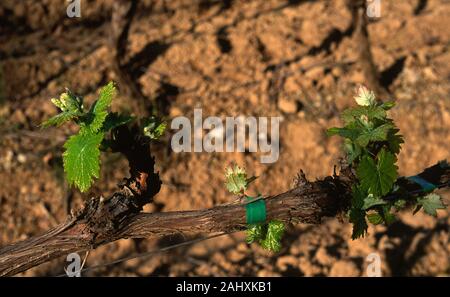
268, 235
255, 233
71, 107
99, 110
82, 154
365, 97
236, 180
82, 159
272, 241
154, 127
371, 142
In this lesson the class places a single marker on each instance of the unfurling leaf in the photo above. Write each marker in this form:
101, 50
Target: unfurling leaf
267, 235
255, 233
364, 96
68, 102
236, 180
71, 107
272, 241
154, 127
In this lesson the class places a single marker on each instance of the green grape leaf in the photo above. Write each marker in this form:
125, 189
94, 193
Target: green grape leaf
350, 131
371, 201
367, 112
358, 197
395, 141
375, 218
431, 203
378, 179
272, 241
353, 151
356, 214
236, 180
358, 218
255, 233
368, 131
99, 110
82, 159
378, 134
154, 127
114, 120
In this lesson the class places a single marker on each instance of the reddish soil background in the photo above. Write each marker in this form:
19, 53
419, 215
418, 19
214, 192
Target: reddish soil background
228, 58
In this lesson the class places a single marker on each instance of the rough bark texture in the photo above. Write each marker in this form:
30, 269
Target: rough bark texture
102, 221
105, 220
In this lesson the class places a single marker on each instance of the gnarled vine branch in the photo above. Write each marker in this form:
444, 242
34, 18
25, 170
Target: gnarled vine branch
102, 221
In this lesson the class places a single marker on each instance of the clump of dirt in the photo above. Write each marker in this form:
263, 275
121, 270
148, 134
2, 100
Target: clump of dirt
294, 59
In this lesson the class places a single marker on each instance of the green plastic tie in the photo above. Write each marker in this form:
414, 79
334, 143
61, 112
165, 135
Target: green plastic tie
255, 211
